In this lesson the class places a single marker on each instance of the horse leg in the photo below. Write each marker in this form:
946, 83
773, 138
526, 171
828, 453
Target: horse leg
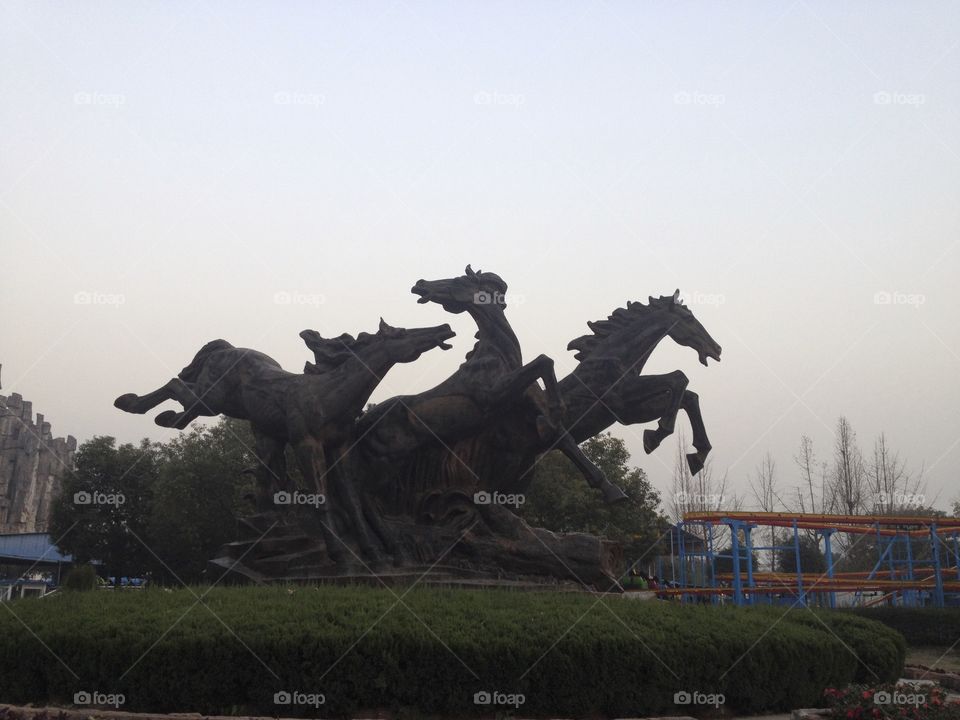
171, 419
646, 398
313, 465
515, 383
344, 481
139, 404
594, 475
691, 406
271, 469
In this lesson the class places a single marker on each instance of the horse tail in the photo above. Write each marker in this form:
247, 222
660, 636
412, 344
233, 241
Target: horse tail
192, 371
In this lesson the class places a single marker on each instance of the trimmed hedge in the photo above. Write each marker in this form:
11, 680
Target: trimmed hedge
920, 626
567, 654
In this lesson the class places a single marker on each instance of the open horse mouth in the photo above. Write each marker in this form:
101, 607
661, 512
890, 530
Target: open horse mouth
422, 290
712, 354
446, 334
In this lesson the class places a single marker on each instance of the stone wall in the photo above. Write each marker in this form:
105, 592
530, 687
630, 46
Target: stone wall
32, 466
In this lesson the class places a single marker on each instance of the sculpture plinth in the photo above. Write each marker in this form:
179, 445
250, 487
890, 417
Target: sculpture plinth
402, 489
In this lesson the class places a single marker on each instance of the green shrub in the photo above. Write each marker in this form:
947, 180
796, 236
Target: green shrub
363, 649
81, 578
920, 626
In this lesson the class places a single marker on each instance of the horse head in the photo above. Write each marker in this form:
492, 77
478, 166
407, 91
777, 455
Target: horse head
684, 329
630, 334
459, 294
401, 345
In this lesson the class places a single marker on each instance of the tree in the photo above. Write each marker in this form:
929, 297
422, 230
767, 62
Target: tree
702, 492
559, 499
764, 488
101, 514
812, 560
849, 475
200, 491
724, 561
893, 487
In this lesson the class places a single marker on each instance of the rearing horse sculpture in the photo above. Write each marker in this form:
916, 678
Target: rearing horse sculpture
607, 386
482, 390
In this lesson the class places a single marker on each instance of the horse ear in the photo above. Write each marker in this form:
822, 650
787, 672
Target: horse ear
469, 271
676, 297
311, 337
383, 325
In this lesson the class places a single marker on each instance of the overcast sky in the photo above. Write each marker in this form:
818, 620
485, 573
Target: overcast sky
168, 168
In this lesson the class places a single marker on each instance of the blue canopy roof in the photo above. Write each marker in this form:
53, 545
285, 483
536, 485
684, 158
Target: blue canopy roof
30, 547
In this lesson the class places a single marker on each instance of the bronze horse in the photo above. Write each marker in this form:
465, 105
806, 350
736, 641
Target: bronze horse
606, 387
484, 388
314, 412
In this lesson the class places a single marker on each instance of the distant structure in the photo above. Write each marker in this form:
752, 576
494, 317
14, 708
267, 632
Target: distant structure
32, 467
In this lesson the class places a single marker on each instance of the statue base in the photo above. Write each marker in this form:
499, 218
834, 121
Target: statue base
495, 549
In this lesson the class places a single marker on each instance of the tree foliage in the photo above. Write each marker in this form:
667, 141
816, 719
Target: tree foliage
812, 559
152, 508
102, 511
200, 488
560, 500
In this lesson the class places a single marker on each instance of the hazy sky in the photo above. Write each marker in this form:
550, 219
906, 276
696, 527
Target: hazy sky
781, 163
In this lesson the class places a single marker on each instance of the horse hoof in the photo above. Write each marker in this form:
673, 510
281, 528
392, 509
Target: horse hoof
612, 494
168, 418
651, 441
127, 402
695, 463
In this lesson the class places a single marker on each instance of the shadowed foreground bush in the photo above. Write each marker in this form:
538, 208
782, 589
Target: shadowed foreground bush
362, 649
920, 626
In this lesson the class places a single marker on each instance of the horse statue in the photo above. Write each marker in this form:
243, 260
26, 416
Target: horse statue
314, 412
607, 387
487, 385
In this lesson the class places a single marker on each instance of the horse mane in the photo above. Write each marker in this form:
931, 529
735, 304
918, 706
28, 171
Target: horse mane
192, 371
619, 319
328, 353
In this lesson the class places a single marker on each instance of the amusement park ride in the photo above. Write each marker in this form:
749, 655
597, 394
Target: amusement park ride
917, 560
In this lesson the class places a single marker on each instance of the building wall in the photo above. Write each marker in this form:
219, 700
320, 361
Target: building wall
32, 466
